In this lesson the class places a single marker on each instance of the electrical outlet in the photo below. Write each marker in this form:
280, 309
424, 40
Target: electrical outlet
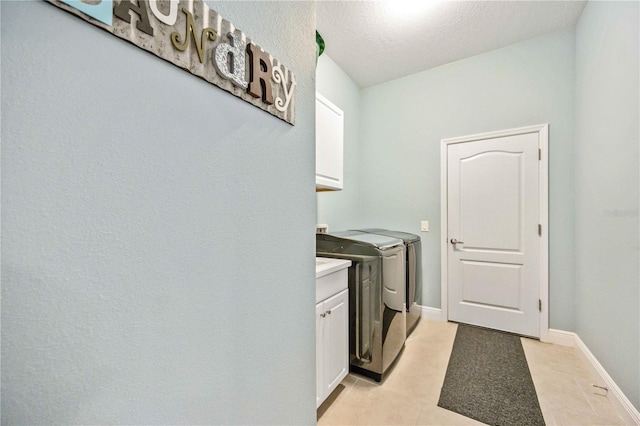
322, 228
424, 226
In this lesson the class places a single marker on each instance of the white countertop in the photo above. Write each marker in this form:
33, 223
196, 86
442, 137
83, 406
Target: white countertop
327, 265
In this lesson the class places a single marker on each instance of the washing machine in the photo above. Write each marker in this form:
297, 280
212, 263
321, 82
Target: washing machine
377, 299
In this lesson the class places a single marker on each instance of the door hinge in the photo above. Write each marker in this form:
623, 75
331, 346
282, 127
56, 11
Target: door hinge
539, 154
540, 230
540, 305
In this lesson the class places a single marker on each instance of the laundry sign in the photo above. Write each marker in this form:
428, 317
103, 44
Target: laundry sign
194, 37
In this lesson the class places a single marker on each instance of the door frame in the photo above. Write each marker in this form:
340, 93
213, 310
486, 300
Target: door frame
543, 193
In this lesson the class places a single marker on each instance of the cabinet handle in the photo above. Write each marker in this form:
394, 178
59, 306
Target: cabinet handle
322, 315
329, 312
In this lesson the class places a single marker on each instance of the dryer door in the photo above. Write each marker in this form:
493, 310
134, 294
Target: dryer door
393, 279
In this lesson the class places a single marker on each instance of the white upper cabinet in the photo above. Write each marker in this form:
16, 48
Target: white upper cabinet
329, 145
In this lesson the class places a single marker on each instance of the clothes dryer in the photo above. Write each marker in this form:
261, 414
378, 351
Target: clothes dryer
413, 253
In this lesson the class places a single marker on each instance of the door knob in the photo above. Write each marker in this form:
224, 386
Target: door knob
454, 241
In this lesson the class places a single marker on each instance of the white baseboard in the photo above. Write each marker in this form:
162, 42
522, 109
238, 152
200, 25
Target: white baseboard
560, 337
434, 314
626, 409
629, 413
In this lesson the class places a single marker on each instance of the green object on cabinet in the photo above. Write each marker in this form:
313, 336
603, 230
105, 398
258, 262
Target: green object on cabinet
319, 45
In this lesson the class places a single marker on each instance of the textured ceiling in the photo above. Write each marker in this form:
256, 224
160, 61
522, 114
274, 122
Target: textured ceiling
374, 43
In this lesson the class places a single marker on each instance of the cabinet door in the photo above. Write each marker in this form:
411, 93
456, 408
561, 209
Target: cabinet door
319, 355
336, 340
329, 144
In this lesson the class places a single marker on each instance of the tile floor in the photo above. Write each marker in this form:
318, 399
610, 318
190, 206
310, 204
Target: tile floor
409, 395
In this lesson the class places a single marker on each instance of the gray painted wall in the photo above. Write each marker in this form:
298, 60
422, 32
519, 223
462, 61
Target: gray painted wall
342, 209
157, 232
403, 122
607, 201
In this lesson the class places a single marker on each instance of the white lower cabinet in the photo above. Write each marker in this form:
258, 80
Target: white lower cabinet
332, 344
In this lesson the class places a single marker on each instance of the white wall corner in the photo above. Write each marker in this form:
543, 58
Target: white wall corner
434, 314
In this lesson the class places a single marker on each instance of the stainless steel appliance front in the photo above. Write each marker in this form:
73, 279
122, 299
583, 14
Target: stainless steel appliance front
377, 314
413, 252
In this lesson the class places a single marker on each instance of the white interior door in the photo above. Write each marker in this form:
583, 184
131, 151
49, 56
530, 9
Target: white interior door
493, 241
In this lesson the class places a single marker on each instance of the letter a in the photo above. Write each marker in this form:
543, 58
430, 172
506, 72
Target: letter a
126, 6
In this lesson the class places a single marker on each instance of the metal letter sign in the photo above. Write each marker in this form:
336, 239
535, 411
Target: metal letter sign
194, 37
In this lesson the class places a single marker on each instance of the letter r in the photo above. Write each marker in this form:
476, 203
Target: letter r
260, 74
